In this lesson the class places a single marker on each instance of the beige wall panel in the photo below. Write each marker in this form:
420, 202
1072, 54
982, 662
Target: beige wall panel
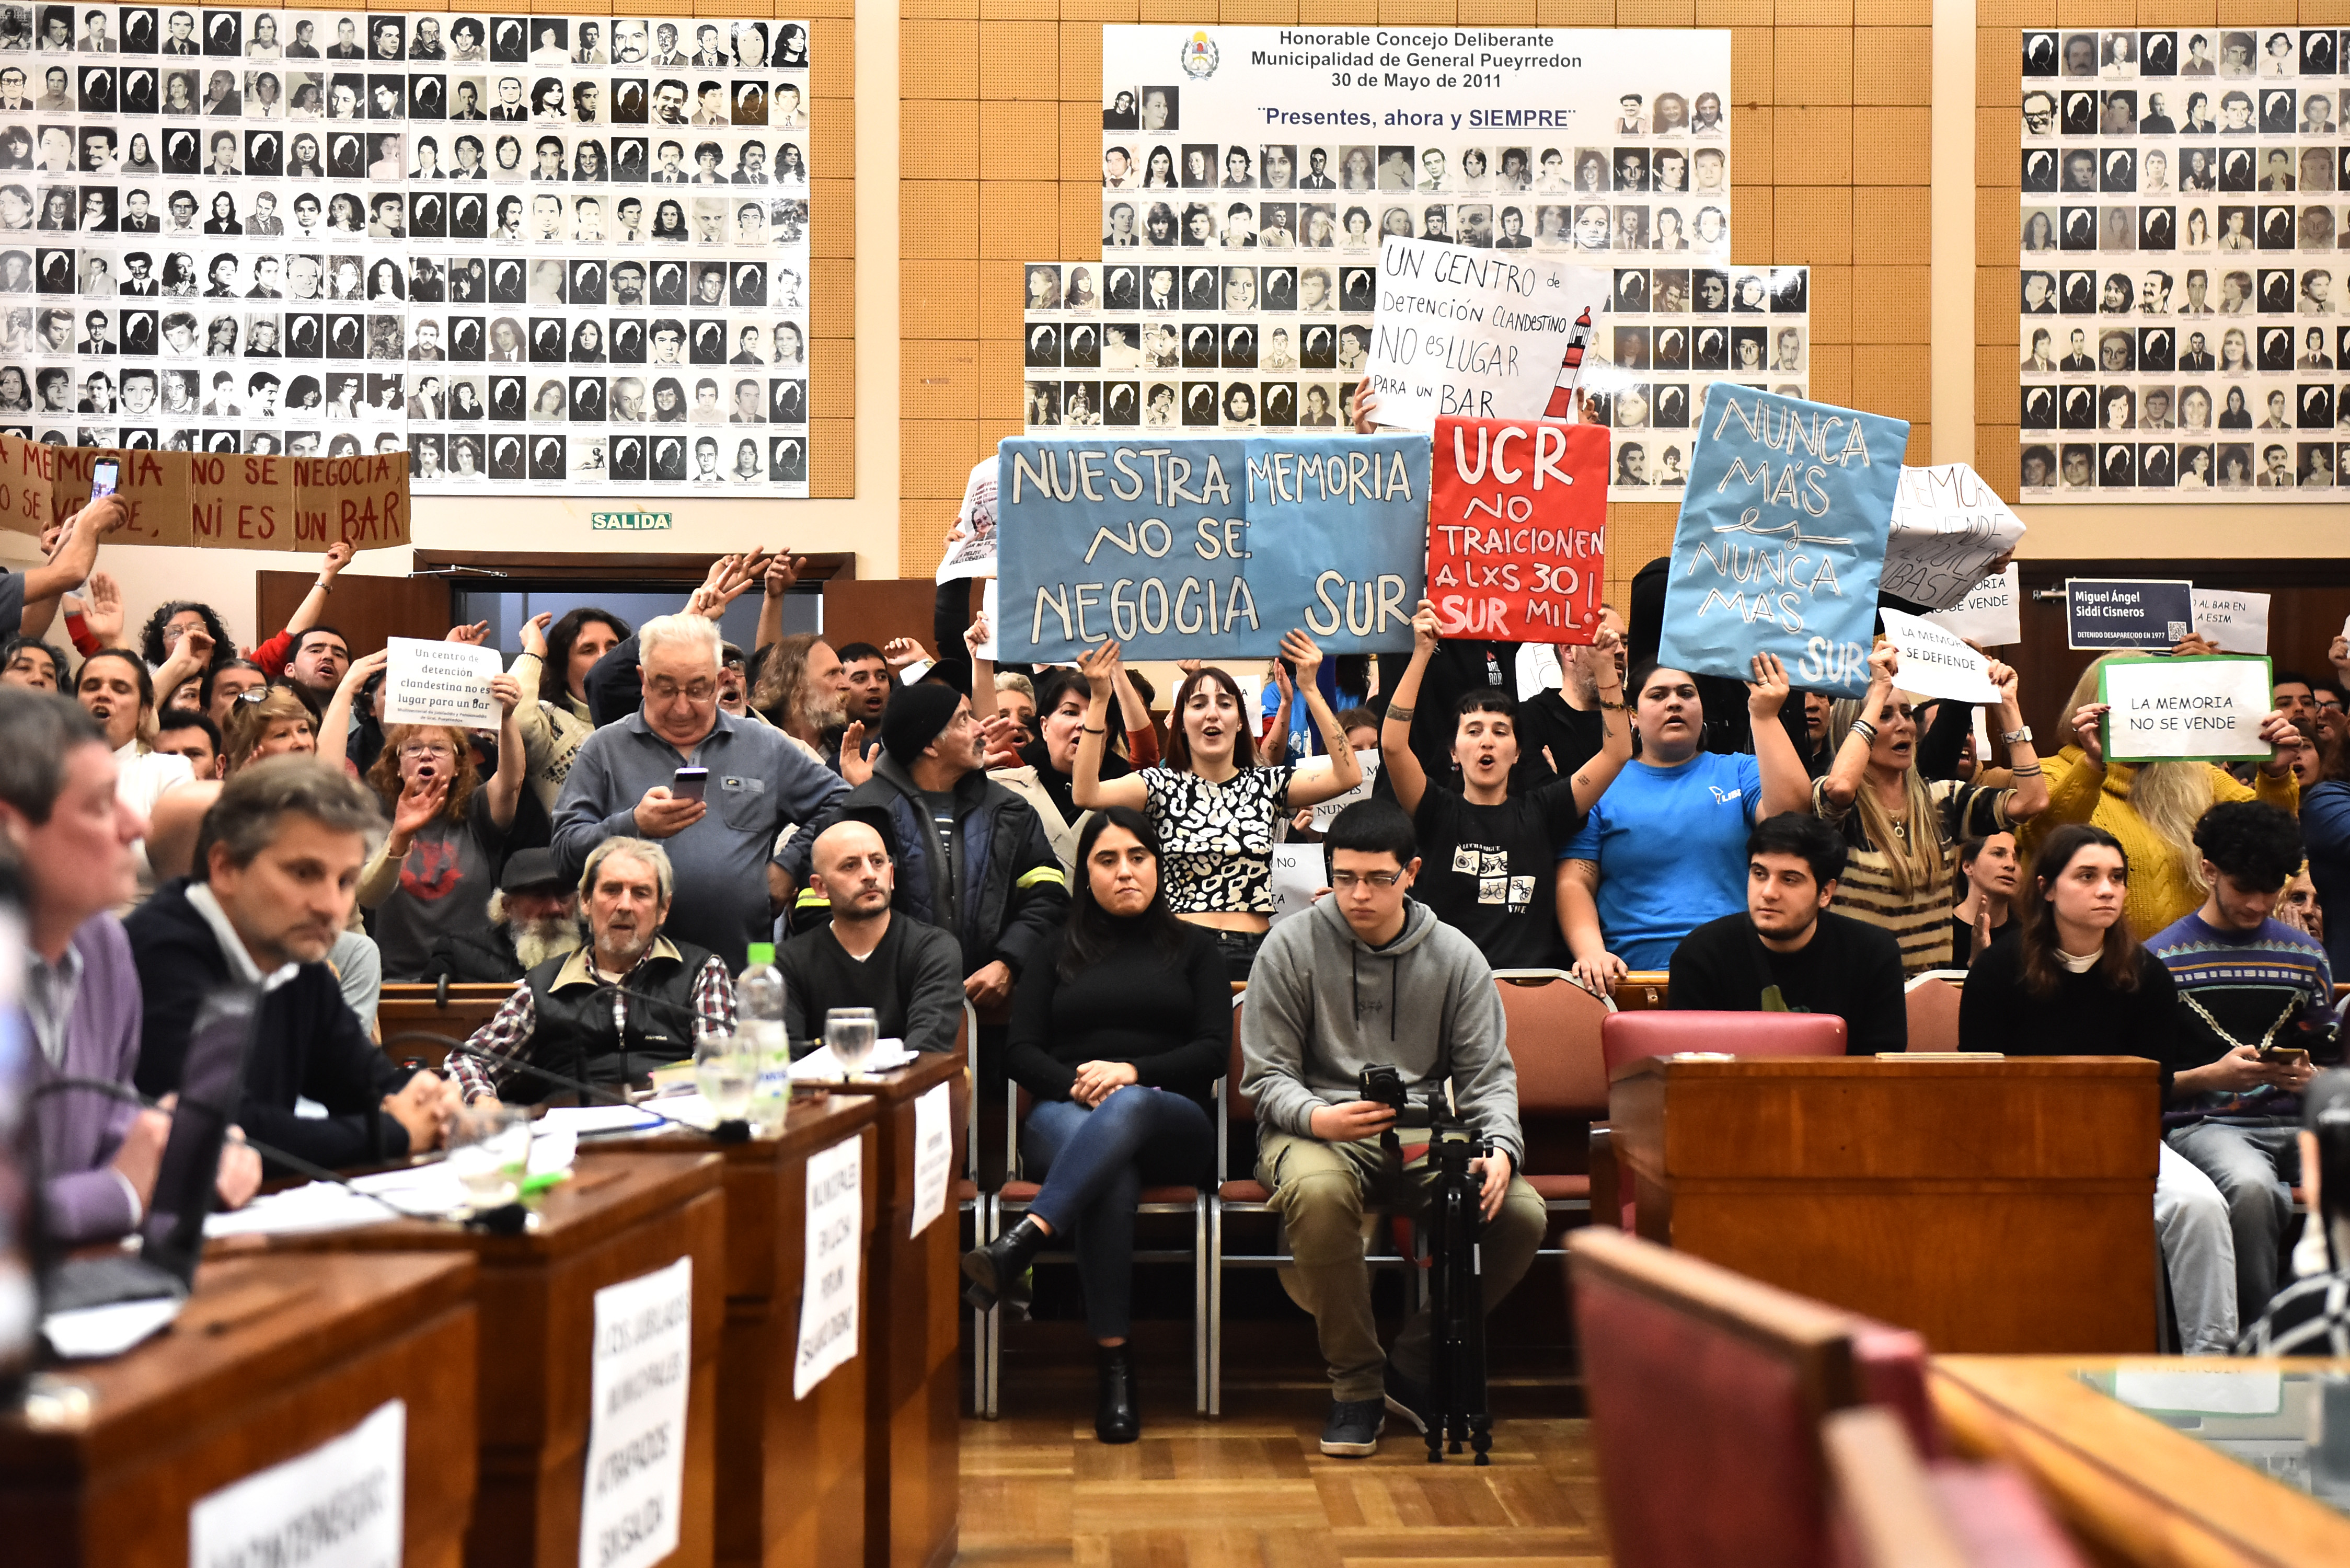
938, 298
938, 59
935, 137
1899, 227
1808, 145
938, 219
1892, 305
832, 379
1810, 65
1893, 145
1020, 221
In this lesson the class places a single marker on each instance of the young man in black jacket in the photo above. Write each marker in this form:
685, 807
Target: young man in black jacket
1788, 953
278, 863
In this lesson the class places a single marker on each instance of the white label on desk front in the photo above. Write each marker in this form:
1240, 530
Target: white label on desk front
836, 1209
340, 1503
933, 1155
641, 1368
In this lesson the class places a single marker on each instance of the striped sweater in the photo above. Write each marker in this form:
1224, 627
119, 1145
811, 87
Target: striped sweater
1919, 920
2235, 988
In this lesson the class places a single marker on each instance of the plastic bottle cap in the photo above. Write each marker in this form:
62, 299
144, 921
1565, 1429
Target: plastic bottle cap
763, 952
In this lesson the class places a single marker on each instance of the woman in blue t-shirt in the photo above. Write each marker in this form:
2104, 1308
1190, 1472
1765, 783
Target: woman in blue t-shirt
1665, 849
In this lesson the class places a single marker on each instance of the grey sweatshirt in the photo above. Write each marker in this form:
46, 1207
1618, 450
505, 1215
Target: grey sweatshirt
1322, 1004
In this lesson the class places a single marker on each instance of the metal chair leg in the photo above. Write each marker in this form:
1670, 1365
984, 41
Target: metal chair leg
1215, 1305
1200, 1306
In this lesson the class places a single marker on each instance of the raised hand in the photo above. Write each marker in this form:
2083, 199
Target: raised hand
361, 669
1424, 637
472, 636
1099, 666
1306, 654
2088, 730
101, 615
1884, 664
534, 633
973, 634
505, 690
855, 767
420, 803
1767, 692
338, 555
781, 573
901, 653
1001, 730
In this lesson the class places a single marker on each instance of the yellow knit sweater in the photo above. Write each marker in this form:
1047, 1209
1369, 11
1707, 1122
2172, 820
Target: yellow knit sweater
2162, 887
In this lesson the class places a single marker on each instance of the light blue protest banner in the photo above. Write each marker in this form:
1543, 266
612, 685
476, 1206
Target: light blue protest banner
1782, 539
1210, 548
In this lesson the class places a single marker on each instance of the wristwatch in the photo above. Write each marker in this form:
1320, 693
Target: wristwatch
2015, 737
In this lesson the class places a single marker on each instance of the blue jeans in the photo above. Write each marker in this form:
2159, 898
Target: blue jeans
1095, 1163
2254, 1168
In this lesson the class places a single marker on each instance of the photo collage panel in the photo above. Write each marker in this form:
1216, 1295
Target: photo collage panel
2185, 251
514, 246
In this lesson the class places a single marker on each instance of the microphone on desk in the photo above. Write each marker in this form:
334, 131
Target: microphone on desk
732, 1131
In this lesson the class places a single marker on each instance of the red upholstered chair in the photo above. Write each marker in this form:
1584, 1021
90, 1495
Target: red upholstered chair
1627, 1037
1891, 1508
1933, 1015
1553, 1034
1706, 1391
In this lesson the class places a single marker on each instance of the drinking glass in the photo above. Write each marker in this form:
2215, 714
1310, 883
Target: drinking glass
726, 1071
489, 1149
849, 1034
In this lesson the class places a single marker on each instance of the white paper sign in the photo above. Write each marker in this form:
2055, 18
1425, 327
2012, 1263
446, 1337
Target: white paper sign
440, 683
2165, 708
835, 1205
1473, 333
1990, 615
2232, 622
973, 554
641, 1367
1299, 871
343, 1503
1327, 811
987, 608
933, 1155
1949, 526
1935, 663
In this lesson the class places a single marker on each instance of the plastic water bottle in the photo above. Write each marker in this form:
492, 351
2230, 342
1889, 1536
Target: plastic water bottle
759, 1021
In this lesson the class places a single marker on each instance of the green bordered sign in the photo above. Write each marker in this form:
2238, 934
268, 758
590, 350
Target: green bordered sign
2176, 710
630, 521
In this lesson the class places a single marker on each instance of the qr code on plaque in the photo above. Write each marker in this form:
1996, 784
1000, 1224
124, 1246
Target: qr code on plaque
2179, 630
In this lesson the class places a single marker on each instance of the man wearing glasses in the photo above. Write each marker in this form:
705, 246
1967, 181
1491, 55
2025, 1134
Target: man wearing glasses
720, 826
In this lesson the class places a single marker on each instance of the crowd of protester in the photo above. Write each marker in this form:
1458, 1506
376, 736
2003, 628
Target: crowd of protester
916, 831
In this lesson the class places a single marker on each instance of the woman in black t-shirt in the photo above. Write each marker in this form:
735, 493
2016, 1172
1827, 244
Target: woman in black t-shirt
1489, 860
1119, 1040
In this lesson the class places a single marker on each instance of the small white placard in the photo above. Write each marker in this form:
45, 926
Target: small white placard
640, 1370
2162, 710
343, 1503
973, 553
2232, 622
1948, 527
440, 683
1327, 811
1299, 871
933, 1155
2250, 1392
1935, 663
1477, 333
1991, 616
835, 1203
987, 608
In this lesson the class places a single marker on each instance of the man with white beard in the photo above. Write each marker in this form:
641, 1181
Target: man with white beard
534, 917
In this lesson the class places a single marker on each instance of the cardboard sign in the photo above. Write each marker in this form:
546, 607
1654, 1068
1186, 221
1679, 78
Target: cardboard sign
1935, 662
440, 683
1780, 539
1211, 548
640, 1369
833, 1278
1472, 334
2168, 710
1992, 615
346, 1501
2232, 622
1948, 526
224, 501
1517, 525
2102, 613
361, 501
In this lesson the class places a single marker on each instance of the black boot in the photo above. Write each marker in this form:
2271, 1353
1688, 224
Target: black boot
1115, 1419
997, 1270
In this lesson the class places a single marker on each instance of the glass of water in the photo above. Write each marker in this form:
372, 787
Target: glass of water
489, 1150
726, 1071
849, 1034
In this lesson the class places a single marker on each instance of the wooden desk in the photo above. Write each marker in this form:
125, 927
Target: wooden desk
2133, 1489
2003, 1206
913, 1457
620, 1217
416, 1005
272, 1357
791, 1473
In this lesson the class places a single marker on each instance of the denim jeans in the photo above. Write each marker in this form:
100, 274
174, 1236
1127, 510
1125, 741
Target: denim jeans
1095, 1163
2254, 1168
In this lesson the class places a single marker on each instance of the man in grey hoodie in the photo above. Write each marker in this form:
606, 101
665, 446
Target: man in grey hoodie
1368, 978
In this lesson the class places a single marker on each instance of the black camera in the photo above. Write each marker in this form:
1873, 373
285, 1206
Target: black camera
1383, 1085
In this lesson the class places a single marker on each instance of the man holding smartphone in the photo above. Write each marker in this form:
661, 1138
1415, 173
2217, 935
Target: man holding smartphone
2255, 998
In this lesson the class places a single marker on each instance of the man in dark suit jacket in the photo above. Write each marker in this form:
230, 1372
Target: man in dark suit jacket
2078, 361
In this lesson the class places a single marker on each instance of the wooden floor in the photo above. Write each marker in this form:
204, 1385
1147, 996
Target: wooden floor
1252, 1487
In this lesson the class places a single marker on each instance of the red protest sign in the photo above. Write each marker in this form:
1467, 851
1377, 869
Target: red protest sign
1517, 520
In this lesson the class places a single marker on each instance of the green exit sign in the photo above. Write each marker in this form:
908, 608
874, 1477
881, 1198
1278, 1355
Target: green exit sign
629, 521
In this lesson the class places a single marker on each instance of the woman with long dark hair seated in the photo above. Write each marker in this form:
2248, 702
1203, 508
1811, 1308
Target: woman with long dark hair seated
1118, 1042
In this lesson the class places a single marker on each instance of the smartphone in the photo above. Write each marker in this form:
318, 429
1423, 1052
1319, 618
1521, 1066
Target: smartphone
2286, 1055
104, 475
689, 783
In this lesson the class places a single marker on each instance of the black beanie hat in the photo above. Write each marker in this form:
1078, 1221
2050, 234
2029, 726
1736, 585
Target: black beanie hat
915, 716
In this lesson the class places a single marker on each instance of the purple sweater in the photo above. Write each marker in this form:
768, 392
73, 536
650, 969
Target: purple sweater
80, 1129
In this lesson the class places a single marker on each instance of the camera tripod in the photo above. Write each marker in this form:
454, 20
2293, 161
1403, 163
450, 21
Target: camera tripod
1456, 1299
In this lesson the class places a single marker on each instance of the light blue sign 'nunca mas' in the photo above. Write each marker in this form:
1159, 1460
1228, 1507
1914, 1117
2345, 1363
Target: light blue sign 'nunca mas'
1210, 548
1782, 539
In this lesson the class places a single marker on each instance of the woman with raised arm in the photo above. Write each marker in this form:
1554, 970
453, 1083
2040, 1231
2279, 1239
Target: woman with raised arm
1215, 811
551, 669
1488, 859
1901, 830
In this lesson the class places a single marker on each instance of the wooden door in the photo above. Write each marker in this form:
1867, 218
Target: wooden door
366, 611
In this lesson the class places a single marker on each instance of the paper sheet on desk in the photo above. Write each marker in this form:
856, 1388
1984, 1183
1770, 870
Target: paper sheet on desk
428, 1191
89, 1333
821, 1065
587, 1121
2252, 1392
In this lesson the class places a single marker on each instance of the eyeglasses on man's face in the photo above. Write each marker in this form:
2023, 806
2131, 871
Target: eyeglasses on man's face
1347, 881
